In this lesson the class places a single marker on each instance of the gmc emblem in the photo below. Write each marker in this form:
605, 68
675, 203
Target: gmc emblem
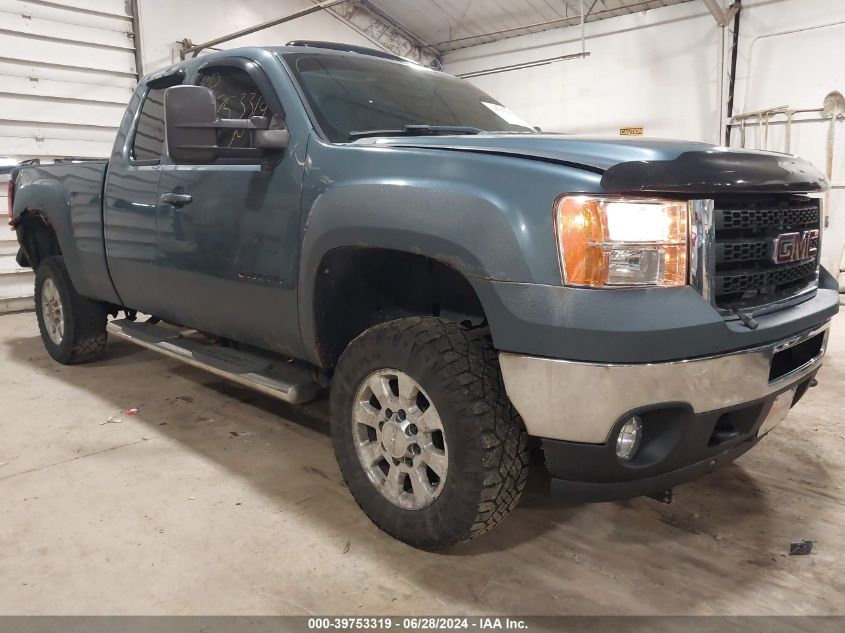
793, 247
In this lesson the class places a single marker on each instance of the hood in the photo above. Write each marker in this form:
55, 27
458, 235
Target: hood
639, 165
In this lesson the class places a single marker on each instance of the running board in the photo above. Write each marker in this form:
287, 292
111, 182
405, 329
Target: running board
291, 381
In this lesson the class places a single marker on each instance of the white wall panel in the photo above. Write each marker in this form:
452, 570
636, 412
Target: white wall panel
58, 131
66, 53
47, 148
47, 89
67, 70
115, 8
49, 29
56, 72
24, 108
57, 13
16, 290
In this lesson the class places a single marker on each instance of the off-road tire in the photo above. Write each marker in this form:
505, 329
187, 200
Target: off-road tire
85, 335
488, 452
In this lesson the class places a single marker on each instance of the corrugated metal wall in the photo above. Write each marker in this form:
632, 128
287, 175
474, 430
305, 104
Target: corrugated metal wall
67, 69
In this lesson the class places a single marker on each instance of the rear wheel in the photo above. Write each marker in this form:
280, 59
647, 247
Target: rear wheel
72, 327
424, 433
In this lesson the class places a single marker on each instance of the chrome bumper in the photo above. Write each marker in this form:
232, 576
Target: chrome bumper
581, 402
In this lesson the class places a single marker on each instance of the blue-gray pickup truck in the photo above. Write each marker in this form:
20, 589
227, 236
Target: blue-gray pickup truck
472, 293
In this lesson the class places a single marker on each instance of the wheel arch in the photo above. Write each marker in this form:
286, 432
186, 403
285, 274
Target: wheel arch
37, 237
357, 287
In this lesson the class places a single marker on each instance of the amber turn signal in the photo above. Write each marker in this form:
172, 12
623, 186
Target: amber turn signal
616, 242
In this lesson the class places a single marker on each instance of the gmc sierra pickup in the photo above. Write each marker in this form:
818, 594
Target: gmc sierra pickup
317, 216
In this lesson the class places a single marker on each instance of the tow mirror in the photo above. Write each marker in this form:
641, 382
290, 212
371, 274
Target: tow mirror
190, 114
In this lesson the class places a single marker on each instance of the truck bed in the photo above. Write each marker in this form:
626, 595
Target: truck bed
70, 197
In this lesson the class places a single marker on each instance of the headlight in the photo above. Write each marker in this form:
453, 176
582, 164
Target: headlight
622, 242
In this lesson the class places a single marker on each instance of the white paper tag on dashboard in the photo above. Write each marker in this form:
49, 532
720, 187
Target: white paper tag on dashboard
507, 114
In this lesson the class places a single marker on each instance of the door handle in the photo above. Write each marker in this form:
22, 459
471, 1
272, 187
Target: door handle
176, 199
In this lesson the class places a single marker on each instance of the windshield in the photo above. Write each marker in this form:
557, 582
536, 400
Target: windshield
354, 93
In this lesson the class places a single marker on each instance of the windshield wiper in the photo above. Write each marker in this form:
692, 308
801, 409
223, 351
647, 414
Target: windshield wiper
418, 130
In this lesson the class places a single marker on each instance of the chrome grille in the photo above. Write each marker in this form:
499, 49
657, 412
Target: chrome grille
746, 229
743, 282
742, 251
742, 215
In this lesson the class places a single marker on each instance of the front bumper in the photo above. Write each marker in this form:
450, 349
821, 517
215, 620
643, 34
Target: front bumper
583, 402
697, 414
678, 446
643, 484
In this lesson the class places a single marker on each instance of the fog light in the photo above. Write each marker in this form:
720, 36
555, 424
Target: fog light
629, 438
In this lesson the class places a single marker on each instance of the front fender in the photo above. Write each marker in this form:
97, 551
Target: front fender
465, 231
487, 217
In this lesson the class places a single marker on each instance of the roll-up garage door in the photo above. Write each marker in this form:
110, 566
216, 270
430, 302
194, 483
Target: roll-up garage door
67, 70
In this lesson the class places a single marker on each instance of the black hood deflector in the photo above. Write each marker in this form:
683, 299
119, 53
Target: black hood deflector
716, 172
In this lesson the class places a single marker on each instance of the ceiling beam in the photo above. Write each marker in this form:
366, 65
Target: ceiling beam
195, 49
569, 8
359, 15
574, 7
591, 16
384, 31
722, 16
389, 19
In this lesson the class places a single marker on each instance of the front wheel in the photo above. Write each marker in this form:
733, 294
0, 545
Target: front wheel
424, 434
72, 327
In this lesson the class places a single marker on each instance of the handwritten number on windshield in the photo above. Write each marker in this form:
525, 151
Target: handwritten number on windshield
234, 103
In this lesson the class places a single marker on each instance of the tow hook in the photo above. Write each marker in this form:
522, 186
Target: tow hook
663, 496
814, 383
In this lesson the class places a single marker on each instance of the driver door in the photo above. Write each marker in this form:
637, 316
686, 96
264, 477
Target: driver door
228, 231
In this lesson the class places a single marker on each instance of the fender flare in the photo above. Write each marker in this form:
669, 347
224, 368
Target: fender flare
422, 222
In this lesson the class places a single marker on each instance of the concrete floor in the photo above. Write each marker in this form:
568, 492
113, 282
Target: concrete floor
216, 500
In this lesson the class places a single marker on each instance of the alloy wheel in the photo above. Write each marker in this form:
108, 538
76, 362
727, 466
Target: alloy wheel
53, 312
399, 439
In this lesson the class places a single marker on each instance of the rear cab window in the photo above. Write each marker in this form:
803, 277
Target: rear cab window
148, 140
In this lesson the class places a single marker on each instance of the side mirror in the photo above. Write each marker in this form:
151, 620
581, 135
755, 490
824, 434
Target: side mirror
190, 116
